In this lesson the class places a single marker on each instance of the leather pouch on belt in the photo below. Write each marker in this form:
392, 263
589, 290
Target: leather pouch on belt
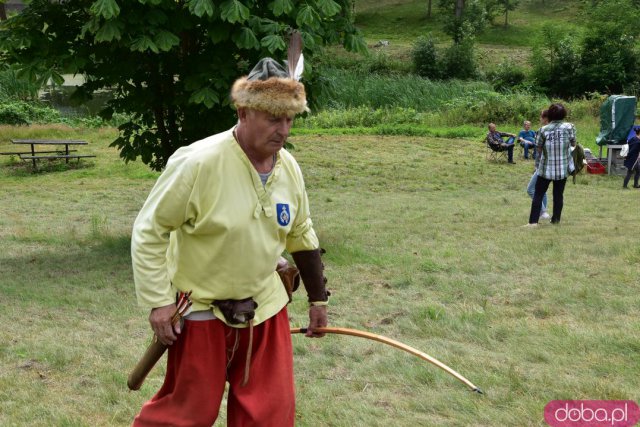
289, 275
237, 312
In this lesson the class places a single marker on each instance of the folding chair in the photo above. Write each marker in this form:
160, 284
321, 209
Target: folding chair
495, 153
520, 148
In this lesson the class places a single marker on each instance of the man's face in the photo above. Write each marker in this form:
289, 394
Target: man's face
527, 125
492, 128
265, 134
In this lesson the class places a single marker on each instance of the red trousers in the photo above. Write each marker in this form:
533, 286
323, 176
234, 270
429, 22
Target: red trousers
207, 354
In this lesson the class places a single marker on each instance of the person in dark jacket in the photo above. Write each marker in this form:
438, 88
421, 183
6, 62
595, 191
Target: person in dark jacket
632, 163
494, 139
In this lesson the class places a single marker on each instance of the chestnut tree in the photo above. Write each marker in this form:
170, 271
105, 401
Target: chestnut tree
169, 63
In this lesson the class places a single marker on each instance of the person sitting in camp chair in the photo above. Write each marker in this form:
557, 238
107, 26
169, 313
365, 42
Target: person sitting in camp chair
496, 143
527, 139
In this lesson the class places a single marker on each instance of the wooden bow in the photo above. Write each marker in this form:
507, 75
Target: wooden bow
393, 343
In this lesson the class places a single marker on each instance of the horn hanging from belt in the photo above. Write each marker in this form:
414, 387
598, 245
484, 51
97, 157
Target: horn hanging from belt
393, 343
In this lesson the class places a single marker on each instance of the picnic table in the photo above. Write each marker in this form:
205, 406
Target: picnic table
58, 153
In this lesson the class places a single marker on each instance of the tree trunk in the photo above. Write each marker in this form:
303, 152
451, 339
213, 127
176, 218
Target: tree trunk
3, 12
429, 9
506, 19
459, 9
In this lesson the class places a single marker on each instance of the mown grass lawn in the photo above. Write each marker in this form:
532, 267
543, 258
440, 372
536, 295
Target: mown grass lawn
424, 245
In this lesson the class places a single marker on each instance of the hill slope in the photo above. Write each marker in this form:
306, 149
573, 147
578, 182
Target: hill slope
401, 22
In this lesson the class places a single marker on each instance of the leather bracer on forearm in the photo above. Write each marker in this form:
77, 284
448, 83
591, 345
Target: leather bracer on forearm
311, 272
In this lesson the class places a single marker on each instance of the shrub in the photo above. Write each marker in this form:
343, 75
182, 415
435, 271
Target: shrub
9, 116
482, 107
609, 48
425, 58
556, 63
25, 113
458, 61
604, 59
21, 113
588, 106
506, 76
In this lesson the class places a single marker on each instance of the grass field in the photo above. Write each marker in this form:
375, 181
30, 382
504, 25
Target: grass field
424, 245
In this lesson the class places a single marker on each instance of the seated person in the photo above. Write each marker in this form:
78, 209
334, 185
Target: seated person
527, 139
494, 139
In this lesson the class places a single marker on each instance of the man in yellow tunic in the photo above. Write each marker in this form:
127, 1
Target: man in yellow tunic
216, 223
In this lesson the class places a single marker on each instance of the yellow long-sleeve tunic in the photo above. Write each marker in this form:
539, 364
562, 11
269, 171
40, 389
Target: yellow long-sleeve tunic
210, 226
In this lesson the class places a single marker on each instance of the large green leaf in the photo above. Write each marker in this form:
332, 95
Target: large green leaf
245, 39
273, 43
281, 7
144, 43
306, 16
328, 7
206, 96
91, 26
269, 26
165, 40
76, 63
105, 8
308, 40
233, 11
201, 7
56, 78
110, 31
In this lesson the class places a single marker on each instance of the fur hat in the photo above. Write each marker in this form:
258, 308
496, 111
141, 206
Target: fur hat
269, 88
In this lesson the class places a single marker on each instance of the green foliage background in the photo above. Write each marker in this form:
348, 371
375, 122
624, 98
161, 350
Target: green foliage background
171, 75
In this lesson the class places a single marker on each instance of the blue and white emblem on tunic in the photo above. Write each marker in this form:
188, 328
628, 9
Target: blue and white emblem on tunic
284, 215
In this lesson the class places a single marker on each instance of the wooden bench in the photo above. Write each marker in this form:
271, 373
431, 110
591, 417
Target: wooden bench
59, 156
17, 153
34, 155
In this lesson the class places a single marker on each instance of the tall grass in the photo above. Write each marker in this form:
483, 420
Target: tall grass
13, 87
349, 89
372, 100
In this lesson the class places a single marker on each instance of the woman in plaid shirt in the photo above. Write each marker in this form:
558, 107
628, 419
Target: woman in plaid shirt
554, 144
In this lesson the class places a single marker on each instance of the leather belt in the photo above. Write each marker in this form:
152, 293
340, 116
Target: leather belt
201, 315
